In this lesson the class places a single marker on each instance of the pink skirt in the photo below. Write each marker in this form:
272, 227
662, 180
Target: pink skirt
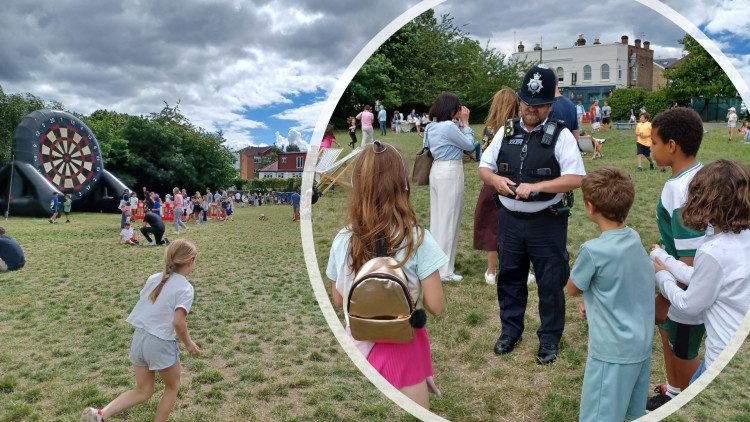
403, 364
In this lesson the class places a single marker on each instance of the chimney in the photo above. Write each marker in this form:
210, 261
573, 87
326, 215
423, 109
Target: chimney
596, 41
537, 47
637, 43
581, 40
624, 39
646, 45
520, 47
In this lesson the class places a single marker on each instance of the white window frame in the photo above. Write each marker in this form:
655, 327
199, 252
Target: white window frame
587, 72
601, 70
300, 162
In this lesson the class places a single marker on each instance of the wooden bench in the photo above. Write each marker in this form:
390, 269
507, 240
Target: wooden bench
623, 125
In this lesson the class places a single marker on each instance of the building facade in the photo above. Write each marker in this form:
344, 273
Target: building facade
250, 161
289, 164
586, 72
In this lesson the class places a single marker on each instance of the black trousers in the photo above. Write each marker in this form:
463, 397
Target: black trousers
156, 231
540, 240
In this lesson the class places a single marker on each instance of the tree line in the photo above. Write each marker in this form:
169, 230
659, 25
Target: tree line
426, 57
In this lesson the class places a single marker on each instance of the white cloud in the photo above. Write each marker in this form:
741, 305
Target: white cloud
293, 138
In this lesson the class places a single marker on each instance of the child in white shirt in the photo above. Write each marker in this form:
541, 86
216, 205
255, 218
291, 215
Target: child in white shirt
158, 316
128, 236
719, 280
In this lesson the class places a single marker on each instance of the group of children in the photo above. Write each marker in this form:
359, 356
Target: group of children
703, 217
54, 206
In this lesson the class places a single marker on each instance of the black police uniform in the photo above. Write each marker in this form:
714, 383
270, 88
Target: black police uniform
538, 237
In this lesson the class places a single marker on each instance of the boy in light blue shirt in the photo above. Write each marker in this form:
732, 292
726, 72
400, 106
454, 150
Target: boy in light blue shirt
616, 277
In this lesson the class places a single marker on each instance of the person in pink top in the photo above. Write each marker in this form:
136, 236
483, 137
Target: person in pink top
366, 117
328, 139
179, 209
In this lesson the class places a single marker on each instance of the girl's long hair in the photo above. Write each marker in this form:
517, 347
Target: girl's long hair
178, 253
719, 194
504, 106
379, 206
329, 132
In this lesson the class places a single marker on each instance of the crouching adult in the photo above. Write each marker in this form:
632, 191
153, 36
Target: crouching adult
152, 224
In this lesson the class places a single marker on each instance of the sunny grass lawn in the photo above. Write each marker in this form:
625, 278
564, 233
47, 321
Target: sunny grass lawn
477, 384
267, 353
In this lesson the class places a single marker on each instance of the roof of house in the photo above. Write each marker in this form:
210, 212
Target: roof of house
271, 167
256, 151
663, 63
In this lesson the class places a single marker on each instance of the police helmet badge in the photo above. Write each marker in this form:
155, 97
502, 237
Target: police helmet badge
535, 85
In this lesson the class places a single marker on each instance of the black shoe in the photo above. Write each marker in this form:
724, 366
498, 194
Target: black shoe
166, 241
505, 344
654, 402
547, 353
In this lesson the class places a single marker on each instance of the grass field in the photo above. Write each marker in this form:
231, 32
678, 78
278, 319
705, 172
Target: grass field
267, 353
478, 385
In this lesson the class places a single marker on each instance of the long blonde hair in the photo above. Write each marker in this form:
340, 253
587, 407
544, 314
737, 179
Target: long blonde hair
504, 106
379, 206
178, 253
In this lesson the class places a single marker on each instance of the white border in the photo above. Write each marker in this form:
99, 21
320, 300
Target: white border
308, 244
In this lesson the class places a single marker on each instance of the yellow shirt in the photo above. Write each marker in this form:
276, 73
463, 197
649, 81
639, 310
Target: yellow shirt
645, 129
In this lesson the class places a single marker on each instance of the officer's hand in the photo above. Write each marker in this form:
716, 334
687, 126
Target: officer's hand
501, 185
524, 190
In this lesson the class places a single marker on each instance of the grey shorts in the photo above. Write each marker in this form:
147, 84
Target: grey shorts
151, 351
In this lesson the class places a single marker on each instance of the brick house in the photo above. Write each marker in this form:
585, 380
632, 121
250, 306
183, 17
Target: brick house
250, 159
289, 164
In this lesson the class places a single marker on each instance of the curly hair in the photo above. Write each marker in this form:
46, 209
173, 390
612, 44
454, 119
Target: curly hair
719, 194
611, 191
682, 125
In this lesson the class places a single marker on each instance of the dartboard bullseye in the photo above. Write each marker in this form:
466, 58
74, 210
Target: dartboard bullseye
67, 154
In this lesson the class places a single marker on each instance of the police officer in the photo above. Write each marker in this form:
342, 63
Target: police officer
536, 162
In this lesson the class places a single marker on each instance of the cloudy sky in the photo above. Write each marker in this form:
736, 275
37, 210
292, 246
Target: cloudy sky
254, 68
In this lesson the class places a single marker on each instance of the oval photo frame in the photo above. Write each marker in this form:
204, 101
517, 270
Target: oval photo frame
308, 244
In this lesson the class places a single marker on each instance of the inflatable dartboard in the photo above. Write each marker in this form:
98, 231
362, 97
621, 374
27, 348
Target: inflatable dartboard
56, 151
64, 151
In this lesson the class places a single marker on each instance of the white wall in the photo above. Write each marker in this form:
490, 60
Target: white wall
574, 59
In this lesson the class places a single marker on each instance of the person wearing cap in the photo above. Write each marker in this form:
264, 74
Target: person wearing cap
731, 121
535, 163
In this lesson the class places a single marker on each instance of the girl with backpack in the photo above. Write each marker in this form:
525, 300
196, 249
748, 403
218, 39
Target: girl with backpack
380, 182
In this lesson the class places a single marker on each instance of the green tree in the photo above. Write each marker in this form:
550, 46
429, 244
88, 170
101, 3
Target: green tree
698, 75
429, 55
13, 108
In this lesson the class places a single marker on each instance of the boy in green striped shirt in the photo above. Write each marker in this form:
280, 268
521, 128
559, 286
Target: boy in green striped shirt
677, 135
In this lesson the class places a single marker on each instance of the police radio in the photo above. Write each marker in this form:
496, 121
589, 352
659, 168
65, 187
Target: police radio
549, 133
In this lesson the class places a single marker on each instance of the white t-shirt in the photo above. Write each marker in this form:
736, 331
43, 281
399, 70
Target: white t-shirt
158, 318
127, 233
566, 154
133, 203
718, 286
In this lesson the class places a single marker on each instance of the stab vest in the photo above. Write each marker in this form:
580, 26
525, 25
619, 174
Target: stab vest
524, 159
